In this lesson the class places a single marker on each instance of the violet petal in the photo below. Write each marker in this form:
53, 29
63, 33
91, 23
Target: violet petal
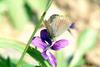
51, 59
48, 56
38, 43
45, 36
44, 55
59, 44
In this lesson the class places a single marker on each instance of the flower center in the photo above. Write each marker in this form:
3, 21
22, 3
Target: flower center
48, 46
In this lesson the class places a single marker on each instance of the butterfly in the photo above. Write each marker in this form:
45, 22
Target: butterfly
58, 24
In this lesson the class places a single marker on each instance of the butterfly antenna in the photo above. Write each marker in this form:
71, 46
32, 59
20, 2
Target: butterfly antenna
69, 31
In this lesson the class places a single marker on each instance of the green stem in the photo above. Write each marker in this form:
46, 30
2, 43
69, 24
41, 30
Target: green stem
30, 40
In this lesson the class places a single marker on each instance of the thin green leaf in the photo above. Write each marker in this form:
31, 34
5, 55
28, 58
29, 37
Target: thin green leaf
8, 62
31, 14
9, 43
38, 5
86, 41
35, 53
17, 13
19, 46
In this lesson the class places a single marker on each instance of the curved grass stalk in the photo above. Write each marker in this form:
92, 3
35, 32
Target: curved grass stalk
30, 40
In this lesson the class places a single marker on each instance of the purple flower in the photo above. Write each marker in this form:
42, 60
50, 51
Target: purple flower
44, 43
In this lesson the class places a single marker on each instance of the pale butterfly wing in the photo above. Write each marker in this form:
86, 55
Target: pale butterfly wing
47, 24
56, 24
